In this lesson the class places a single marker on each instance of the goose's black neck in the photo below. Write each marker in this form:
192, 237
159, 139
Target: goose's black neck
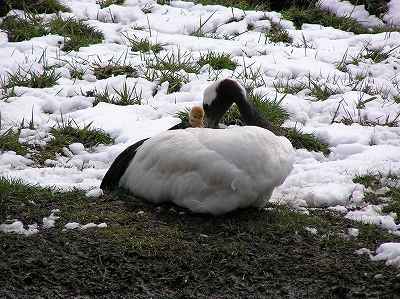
251, 116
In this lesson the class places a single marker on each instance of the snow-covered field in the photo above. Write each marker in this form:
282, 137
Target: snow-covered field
366, 92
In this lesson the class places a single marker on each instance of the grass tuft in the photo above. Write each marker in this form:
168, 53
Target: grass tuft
144, 45
307, 141
9, 142
299, 16
68, 132
23, 28
174, 62
34, 6
47, 78
125, 96
114, 69
218, 61
183, 115
277, 34
77, 33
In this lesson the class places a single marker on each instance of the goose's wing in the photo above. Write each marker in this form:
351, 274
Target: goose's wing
110, 181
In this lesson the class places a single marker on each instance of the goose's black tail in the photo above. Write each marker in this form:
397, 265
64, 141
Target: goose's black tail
110, 181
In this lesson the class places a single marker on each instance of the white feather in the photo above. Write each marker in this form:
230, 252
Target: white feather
208, 170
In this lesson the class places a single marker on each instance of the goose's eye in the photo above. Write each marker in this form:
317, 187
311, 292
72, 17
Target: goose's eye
205, 108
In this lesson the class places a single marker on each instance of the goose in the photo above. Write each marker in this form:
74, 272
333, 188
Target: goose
203, 169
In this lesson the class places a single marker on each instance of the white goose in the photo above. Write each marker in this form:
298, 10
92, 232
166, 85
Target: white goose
202, 169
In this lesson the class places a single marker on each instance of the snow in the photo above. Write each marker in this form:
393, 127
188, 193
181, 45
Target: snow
392, 17
18, 228
76, 225
373, 215
346, 9
49, 222
389, 252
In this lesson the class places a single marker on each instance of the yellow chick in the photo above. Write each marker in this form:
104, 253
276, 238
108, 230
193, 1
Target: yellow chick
196, 117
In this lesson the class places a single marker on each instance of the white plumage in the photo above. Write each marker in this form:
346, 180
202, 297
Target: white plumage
208, 170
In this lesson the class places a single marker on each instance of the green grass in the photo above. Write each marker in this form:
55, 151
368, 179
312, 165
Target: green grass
144, 45
286, 87
107, 3
34, 6
306, 140
114, 69
378, 55
217, 61
19, 29
320, 91
316, 16
174, 62
77, 33
175, 79
242, 4
278, 35
375, 182
29, 78
125, 96
68, 132
183, 115
9, 142
162, 253
270, 109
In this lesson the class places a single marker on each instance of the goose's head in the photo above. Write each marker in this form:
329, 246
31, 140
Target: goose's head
219, 97
196, 117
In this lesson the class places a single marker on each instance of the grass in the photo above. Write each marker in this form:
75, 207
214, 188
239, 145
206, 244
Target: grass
390, 184
36, 6
144, 45
174, 62
316, 16
242, 4
114, 69
107, 3
163, 253
19, 28
77, 33
278, 35
287, 87
378, 55
122, 97
68, 132
175, 79
217, 61
320, 91
29, 78
306, 140
9, 142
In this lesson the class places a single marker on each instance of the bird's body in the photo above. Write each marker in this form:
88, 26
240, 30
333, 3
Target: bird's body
209, 171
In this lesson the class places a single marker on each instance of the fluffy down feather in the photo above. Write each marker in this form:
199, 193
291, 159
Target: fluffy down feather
208, 170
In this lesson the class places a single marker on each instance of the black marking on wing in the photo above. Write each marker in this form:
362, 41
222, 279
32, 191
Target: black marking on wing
118, 167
